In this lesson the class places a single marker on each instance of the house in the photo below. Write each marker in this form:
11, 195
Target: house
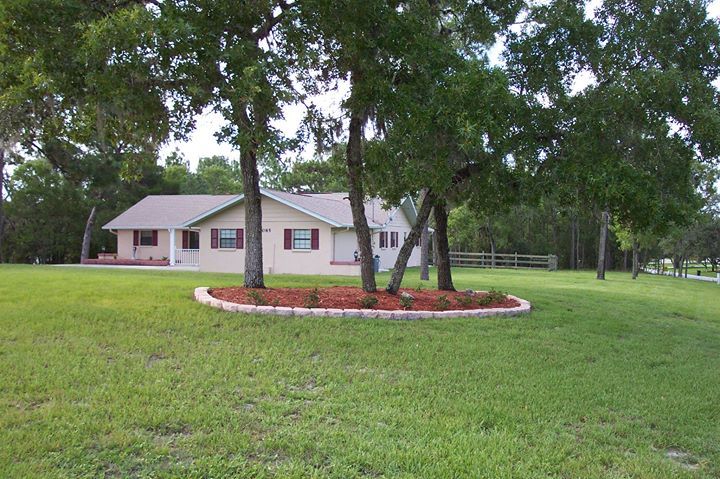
309, 233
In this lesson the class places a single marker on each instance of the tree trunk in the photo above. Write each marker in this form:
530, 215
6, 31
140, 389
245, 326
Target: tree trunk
625, 260
579, 249
409, 243
2, 202
357, 202
444, 275
677, 265
254, 277
491, 239
635, 259
604, 222
573, 242
85, 253
425, 252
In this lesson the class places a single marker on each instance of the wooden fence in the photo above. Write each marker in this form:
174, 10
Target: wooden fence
503, 260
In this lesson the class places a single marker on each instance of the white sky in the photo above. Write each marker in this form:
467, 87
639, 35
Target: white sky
202, 141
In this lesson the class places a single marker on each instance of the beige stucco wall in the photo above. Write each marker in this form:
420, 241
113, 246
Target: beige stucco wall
276, 218
336, 244
388, 255
162, 250
344, 244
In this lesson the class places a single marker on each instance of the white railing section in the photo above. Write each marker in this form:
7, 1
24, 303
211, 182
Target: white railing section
187, 257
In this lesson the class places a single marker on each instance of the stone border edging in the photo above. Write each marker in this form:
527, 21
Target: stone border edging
202, 296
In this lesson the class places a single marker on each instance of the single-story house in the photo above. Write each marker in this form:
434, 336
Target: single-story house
308, 233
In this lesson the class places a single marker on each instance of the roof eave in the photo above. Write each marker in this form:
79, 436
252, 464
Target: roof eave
141, 227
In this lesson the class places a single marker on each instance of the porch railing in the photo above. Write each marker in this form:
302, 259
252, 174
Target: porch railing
187, 257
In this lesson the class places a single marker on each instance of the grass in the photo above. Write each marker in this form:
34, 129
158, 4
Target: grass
118, 373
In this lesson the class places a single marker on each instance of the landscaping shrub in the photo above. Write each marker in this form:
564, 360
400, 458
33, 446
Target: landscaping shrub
368, 302
497, 296
492, 297
464, 300
442, 303
406, 300
257, 298
312, 299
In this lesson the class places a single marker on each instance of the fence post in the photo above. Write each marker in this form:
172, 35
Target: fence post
515, 259
718, 278
552, 262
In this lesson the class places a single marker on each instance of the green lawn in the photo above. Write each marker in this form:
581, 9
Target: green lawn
118, 373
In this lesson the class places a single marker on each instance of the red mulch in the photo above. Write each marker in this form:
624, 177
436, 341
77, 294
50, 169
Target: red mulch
128, 262
348, 297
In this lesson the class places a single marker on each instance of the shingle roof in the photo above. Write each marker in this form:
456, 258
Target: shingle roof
165, 211
336, 206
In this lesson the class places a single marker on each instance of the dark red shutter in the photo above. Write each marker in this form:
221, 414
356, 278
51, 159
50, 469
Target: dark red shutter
155, 237
136, 238
214, 238
314, 238
382, 239
239, 238
288, 239
185, 239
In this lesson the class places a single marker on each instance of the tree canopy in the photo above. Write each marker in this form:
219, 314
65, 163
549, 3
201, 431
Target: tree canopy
597, 114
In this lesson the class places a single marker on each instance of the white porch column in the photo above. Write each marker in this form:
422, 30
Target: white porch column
172, 246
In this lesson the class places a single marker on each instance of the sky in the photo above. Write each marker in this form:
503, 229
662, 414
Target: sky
202, 141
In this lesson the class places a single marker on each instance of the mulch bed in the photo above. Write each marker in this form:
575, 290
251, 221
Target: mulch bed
127, 262
348, 297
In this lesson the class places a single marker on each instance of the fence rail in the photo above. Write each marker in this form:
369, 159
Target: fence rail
188, 257
503, 260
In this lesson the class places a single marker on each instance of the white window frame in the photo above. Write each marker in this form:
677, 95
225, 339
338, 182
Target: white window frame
303, 239
221, 238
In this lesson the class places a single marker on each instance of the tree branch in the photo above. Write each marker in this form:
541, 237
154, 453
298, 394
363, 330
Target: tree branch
271, 21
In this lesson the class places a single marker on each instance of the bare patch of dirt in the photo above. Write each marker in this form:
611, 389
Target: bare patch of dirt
154, 358
682, 458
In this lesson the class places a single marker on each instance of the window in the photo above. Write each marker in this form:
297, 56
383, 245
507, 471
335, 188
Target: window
383, 239
394, 239
146, 238
227, 239
301, 239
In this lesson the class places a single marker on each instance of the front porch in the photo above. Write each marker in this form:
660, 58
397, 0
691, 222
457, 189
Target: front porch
189, 253
185, 257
